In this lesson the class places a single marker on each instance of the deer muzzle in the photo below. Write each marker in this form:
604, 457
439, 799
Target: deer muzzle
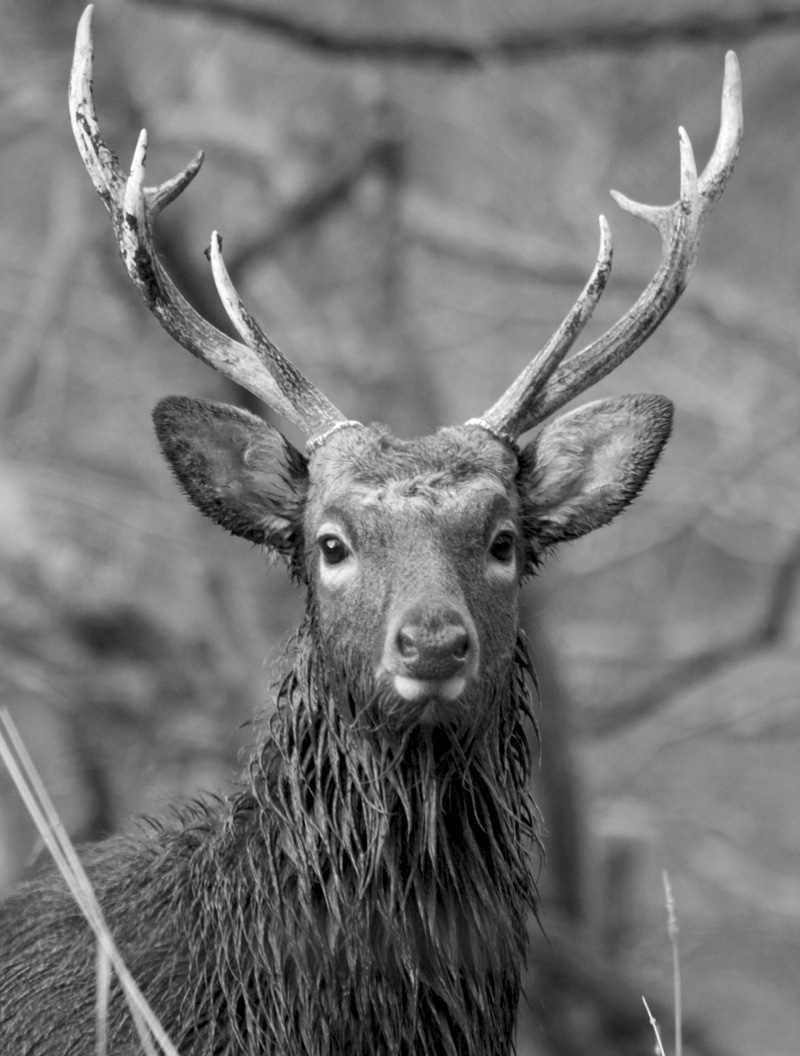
431, 652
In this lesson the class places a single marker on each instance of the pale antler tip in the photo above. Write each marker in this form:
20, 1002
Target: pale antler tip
160, 197
135, 182
141, 147
225, 289
685, 142
606, 249
720, 165
133, 202
732, 93
214, 254
688, 164
84, 45
85, 21
83, 60
218, 267
732, 69
653, 214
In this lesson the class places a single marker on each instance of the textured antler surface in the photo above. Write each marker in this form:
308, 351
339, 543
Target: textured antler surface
550, 381
258, 365
508, 414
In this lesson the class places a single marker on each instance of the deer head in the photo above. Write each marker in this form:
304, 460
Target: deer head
412, 552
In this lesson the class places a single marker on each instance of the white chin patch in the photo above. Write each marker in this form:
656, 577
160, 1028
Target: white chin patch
422, 689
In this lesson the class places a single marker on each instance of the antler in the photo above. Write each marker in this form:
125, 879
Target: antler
258, 365
547, 383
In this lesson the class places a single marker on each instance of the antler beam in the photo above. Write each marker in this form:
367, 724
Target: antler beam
257, 365
550, 381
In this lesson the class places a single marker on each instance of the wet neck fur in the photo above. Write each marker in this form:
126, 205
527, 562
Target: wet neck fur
402, 867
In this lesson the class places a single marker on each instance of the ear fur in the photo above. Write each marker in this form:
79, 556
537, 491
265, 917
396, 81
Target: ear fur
235, 469
586, 466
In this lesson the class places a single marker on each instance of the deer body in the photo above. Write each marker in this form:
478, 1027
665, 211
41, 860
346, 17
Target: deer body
365, 888
370, 881
416, 947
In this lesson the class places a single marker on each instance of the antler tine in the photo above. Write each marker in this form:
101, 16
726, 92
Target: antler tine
289, 379
263, 371
726, 150
679, 226
507, 413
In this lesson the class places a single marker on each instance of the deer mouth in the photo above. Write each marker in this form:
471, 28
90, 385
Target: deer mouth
428, 702
402, 703
423, 690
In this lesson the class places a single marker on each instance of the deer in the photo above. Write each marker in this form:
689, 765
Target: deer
365, 887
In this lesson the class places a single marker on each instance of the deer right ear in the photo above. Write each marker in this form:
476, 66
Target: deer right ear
586, 466
236, 469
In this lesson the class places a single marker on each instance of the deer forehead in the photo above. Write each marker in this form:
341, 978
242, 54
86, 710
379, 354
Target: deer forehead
401, 507
376, 481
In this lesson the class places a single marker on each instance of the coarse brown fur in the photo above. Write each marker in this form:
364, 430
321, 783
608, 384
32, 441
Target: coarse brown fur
365, 889
359, 894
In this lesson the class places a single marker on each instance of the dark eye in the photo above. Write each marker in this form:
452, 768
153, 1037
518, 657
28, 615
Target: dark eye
502, 548
333, 550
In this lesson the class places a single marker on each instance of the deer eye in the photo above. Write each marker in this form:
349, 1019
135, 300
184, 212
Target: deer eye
502, 547
333, 550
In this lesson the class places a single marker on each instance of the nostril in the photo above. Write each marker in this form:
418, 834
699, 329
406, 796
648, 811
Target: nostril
407, 643
460, 645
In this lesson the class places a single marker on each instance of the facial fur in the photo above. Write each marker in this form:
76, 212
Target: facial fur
412, 551
400, 541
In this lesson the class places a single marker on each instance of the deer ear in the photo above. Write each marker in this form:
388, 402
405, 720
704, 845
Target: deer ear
586, 466
236, 469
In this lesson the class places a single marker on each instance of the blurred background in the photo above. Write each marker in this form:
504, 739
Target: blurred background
409, 194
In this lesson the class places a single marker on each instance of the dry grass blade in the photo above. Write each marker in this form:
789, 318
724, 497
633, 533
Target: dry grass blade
672, 927
654, 1025
41, 809
103, 966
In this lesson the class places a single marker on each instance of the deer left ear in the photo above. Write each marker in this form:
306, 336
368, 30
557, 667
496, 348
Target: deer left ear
586, 466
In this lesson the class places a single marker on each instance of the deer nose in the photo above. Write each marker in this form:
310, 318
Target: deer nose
434, 650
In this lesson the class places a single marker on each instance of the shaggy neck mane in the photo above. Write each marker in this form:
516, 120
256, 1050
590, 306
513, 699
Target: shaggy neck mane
400, 867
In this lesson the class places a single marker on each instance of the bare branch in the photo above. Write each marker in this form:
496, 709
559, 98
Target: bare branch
703, 666
521, 44
566, 960
311, 205
23, 352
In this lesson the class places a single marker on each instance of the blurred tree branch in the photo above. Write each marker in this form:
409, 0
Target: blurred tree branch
567, 961
704, 665
478, 239
22, 112
25, 345
520, 44
311, 205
